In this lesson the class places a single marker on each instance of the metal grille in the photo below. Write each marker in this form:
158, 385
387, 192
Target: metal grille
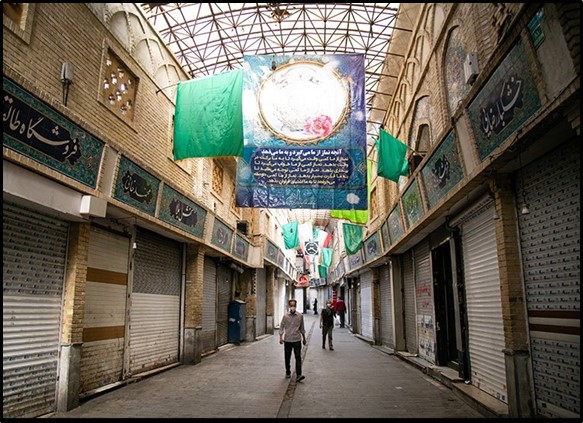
105, 311
409, 292
551, 261
366, 315
261, 302
484, 307
155, 302
386, 287
424, 302
34, 248
224, 297
209, 305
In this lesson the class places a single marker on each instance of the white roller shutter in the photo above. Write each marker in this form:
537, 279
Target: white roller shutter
260, 318
409, 292
484, 308
366, 306
551, 252
387, 326
224, 297
209, 306
155, 302
33, 257
105, 310
424, 302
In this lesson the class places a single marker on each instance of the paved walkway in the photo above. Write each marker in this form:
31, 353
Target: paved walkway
355, 380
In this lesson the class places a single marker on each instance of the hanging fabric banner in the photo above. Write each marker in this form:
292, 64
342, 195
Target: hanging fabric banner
290, 235
352, 237
304, 122
208, 117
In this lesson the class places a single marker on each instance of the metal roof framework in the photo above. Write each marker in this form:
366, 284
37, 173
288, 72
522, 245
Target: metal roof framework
210, 38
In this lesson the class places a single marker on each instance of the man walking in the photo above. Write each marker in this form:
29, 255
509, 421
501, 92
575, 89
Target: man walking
292, 334
327, 324
340, 310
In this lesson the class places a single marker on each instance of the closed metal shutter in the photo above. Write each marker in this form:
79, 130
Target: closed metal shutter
261, 302
224, 297
386, 287
105, 310
155, 302
366, 305
409, 291
484, 307
209, 306
424, 302
34, 250
550, 243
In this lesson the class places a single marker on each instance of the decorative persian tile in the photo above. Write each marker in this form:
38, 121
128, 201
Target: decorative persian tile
443, 171
222, 236
271, 252
240, 248
136, 187
505, 102
181, 212
385, 235
396, 226
372, 247
39, 132
412, 204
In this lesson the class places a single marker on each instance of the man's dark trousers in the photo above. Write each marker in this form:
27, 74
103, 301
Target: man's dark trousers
297, 349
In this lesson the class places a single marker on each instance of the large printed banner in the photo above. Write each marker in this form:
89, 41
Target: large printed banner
304, 122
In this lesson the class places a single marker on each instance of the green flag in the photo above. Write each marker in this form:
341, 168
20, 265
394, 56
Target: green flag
326, 257
208, 121
392, 157
290, 235
322, 271
352, 237
356, 216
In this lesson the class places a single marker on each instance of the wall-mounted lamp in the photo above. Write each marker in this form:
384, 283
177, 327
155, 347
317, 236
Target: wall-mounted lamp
66, 80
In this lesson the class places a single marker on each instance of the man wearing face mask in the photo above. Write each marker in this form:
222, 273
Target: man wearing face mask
327, 324
292, 334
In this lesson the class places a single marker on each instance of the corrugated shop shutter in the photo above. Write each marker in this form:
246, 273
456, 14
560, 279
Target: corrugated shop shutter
424, 302
224, 290
155, 302
550, 244
366, 305
105, 310
34, 250
261, 302
386, 286
209, 306
409, 291
483, 298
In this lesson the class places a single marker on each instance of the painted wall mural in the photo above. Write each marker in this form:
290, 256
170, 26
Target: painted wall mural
412, 204
222, 236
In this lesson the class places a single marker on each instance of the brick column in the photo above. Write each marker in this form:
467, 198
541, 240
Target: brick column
193, 290
518, 374
72, 317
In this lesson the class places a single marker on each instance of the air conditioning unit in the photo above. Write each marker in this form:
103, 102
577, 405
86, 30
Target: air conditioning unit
471, 70
243, 227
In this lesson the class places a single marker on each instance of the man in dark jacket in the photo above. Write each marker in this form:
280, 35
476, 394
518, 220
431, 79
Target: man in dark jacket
340, 310
327, 324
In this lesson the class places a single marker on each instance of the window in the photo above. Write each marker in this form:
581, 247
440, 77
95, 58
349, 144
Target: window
118, 87
217, 178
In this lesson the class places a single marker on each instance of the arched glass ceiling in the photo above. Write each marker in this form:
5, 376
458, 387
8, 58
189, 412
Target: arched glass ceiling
209, 38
